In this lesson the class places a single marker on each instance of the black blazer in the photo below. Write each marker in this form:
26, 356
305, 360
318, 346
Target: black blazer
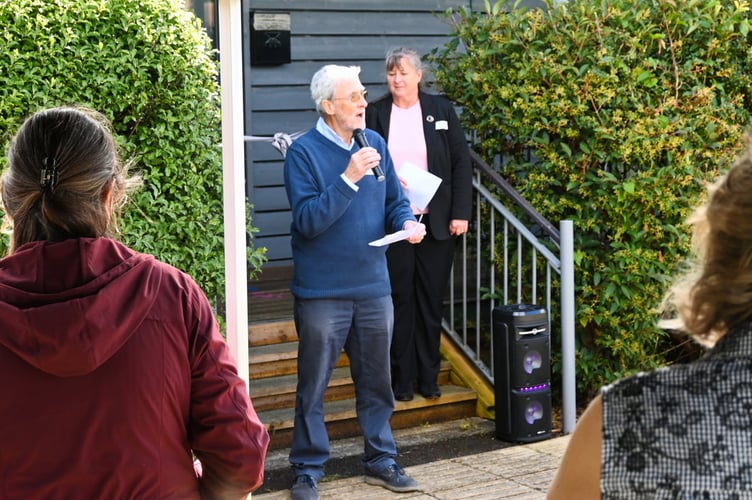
448, 157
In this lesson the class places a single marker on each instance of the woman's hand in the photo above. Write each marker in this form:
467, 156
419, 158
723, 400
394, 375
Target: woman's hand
457, 227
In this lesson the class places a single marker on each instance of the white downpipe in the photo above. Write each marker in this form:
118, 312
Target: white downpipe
569, 403
233, 181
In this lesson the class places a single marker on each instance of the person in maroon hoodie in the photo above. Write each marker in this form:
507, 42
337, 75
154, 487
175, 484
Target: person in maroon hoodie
113, 373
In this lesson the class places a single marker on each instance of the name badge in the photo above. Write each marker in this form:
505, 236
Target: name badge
442, 125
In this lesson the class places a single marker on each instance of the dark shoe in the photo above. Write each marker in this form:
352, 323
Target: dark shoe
432, 395
304, 488
403, 397
393, 478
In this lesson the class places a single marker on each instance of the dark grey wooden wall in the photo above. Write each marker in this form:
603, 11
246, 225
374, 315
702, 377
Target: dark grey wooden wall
277, 98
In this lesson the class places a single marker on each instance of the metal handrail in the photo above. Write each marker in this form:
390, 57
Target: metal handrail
513, 195
474, 293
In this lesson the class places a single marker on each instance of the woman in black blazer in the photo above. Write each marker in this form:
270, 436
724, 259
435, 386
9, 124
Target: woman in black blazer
424, 130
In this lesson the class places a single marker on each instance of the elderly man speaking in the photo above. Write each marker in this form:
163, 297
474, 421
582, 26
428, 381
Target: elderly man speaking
341, 283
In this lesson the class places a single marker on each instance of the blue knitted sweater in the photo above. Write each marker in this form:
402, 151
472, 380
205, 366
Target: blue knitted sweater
332, 223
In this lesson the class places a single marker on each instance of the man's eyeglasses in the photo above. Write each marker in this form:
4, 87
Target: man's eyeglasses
355, 96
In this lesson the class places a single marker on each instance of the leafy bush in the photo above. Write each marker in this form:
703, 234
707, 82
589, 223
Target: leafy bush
628, 107
148, 66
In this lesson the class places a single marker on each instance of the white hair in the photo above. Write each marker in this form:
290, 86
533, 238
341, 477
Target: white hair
325, 81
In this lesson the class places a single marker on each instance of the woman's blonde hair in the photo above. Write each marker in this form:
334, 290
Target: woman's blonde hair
396, 55
65, 178
715, 293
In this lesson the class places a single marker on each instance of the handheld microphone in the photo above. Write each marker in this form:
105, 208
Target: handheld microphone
360, 137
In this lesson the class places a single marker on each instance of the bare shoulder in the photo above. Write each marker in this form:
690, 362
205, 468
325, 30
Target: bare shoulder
580, 469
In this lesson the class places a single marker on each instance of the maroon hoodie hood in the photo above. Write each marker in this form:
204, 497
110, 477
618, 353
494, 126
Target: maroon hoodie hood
67, 307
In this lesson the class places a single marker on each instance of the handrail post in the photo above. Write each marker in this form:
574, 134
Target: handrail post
233, 181
569, 406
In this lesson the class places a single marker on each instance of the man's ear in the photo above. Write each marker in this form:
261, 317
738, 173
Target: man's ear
327, 107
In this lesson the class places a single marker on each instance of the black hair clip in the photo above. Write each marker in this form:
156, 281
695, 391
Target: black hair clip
48, 179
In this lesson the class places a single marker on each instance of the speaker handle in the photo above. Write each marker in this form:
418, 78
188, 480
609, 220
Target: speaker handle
534, 331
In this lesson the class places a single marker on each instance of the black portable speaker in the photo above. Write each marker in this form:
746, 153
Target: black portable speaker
522, 372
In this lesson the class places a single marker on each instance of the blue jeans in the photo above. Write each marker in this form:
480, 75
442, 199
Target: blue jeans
364, 329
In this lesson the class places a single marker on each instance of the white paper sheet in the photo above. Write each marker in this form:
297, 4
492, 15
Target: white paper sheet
421, 184
394, 237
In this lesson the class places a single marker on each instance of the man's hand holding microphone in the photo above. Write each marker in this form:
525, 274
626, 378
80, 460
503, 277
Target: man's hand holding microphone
365, 159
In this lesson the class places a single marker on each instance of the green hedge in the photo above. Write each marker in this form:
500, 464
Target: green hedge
149, 66
628, 107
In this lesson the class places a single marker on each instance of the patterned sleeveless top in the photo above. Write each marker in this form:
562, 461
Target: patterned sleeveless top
683, 431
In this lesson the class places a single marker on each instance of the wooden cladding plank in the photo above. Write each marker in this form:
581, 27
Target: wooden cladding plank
359, 23
270, 198
264, 152
378, 6
269, 174
372, 47
277, 247
272, 223
267, 123
362, 6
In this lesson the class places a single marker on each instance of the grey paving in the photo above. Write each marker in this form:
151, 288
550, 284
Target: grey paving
521, 471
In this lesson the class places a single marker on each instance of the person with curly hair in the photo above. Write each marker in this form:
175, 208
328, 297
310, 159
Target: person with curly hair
683, 431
